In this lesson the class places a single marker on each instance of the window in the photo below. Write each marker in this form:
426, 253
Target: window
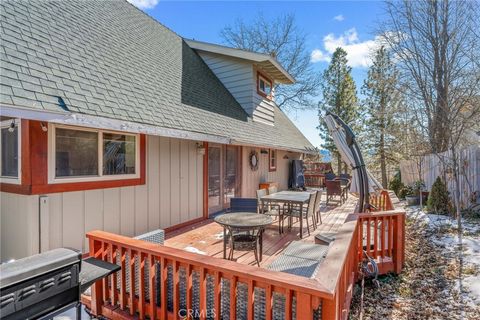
264, 86
88, 155
10, 148
272, 159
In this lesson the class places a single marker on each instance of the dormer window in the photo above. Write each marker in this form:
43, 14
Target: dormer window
264, 86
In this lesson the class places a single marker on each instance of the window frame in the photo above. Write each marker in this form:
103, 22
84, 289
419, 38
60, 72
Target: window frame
265, 79
18, 179
274, 167
52, 179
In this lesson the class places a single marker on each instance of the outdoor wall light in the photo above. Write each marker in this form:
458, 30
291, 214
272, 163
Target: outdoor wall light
200, 149
11, 128
44, 127
263, 151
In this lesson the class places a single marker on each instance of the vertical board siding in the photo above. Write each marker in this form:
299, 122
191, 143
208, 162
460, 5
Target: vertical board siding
19, 225
251, 179
172, 194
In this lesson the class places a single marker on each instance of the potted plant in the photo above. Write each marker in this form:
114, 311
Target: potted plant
410, 195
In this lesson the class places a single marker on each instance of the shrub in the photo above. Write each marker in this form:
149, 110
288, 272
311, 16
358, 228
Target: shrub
406, 191
396, 184
438, 200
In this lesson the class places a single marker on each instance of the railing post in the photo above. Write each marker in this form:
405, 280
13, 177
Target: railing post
304, 306
95, 249
330, 308
400, 243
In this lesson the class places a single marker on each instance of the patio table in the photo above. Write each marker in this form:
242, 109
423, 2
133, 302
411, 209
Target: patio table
299, 198
242, 221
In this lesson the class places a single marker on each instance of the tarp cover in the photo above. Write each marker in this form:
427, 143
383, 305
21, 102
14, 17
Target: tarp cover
296, 179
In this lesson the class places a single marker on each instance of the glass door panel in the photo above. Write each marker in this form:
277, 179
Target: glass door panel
215, 199
231, 170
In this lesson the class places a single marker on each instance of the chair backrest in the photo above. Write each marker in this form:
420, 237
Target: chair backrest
330, 176
272, 190
333, 187
243, 205
318, 200
345, 176
311, 204
261, 193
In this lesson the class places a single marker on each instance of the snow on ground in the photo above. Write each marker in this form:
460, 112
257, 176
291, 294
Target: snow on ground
445, 236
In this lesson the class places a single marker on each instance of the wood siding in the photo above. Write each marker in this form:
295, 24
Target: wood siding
240, 78
172, 195
251, 179
19, 225
236, 75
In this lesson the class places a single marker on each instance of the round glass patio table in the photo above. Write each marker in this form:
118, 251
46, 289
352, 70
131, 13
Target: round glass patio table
242, 221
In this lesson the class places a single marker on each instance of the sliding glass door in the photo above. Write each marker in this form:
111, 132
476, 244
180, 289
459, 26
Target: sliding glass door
223, 176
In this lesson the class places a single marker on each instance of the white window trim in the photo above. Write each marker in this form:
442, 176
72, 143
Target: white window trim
266, 81
12, 180
99, 177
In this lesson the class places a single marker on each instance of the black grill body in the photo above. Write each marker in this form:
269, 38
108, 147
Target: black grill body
39, 285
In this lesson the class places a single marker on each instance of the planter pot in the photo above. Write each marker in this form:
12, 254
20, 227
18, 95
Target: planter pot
412, 200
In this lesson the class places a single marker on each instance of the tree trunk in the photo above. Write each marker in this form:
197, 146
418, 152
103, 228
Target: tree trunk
339, 163
383, 161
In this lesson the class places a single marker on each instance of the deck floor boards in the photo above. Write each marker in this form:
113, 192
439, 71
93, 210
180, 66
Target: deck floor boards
206, 237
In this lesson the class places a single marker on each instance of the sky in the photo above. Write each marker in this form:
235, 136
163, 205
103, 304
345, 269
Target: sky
327, 25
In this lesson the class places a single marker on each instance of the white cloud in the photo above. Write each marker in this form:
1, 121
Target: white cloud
144, 4
318, 55
358, 52
340, 17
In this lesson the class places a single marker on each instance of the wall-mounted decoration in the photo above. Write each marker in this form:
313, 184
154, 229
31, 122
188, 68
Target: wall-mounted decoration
253, 160
285, 157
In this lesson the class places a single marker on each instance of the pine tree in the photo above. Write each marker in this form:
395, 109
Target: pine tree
381, 100
339, 96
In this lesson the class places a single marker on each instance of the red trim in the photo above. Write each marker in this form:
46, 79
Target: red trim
205, 181
269, 96
270, 168
35, 166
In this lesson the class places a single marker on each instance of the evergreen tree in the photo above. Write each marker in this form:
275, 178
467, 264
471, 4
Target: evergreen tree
340, 97
380, 103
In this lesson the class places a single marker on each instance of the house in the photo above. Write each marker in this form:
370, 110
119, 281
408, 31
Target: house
111, 121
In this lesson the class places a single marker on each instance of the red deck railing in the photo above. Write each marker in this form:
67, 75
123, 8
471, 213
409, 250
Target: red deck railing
380, 234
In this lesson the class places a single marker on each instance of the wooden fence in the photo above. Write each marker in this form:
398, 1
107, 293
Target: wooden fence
429, 167
216, 283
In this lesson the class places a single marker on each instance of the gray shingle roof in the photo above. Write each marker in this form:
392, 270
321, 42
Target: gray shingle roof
109, 59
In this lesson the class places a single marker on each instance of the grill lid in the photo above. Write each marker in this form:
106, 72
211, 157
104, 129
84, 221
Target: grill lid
30, 267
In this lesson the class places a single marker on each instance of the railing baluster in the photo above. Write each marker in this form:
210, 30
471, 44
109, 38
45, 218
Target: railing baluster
131, 268
151, 287
141, 287
105, 280
203, 293
233, 297
250, 299
163, 288
176, 289
304, 306
288, 305
123, 280
382, 236
95, 248
390, 237
268, 302
113, 292
369, 227
189, 280
375, 238
217, 294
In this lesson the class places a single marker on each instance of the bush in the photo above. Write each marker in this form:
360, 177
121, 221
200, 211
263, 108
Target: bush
438, 199
396, 184
406, 191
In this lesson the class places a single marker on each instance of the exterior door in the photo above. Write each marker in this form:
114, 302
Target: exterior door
223, 176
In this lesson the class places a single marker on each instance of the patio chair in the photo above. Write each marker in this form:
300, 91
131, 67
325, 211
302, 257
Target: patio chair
243, 205
318, 199
334, 188
272, 209
345, 182
272, 190
330, 176
305, 213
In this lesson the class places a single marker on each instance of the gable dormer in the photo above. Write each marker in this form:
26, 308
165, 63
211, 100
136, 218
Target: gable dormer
249, 76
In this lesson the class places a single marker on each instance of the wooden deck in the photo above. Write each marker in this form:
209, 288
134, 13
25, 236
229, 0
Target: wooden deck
206, 237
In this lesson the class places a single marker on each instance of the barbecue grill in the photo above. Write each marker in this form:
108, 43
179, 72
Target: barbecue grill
47, 284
